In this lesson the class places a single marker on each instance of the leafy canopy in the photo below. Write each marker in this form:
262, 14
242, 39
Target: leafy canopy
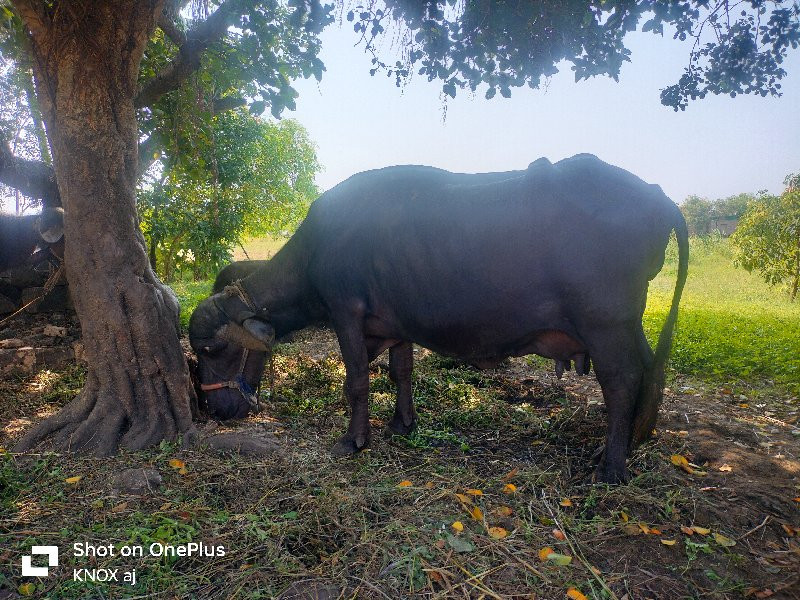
768, 238
738, 47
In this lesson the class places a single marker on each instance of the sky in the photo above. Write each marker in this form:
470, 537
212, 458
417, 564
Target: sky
719, 146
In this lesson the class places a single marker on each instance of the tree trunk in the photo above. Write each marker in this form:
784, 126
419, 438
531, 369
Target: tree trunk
138, 388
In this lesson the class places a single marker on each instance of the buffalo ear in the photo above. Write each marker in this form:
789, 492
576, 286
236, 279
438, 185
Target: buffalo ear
263, 332
51, 225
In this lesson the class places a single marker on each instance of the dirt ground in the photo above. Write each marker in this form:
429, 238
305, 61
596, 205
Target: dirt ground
712, 511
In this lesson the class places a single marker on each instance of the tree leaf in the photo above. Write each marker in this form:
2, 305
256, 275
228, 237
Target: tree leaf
562, 560
459, 544
724, 541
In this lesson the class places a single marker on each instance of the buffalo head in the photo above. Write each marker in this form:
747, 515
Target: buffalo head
232, 347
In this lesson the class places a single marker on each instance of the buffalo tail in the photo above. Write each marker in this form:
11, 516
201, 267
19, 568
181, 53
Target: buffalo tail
652, 388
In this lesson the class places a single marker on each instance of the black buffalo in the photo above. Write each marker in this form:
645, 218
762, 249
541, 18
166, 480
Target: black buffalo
554, 260
20, 235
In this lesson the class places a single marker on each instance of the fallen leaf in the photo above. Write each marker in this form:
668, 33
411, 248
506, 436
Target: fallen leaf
405, 483
764, 593
464, 499
457, 526
565, 502
632, 529
545, 552
624, 516
504, 511
724, 541
562, 560
119, 507
459, 544
476, 513
645, 529
668, 542
509, 488
788, 529
73, 480
182, 471
575, 594
474, 492
510, 474
559, 535
797, 499
679, 460
27, 589
429, 486
3, 450
435, 576
687, 530
176, 463
497, 533
744, 405
726, 468
700, 530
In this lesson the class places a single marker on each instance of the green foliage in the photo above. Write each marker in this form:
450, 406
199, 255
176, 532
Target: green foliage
246, 177
768, 239
701, 214
511, 44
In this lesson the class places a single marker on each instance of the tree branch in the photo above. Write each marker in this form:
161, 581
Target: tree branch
32, 178
168, 22
227, 103
198, 39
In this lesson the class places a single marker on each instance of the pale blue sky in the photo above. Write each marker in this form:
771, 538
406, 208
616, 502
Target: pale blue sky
718, 147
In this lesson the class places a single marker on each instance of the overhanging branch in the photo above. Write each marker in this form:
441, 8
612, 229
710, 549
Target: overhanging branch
189, 53
32, 178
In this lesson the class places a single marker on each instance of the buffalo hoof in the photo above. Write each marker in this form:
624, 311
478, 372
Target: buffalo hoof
346, 446
397, 426
604, 474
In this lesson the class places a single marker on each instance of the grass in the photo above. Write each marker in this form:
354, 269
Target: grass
731, 324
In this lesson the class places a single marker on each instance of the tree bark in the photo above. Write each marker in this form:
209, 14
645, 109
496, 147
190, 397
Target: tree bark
138, 389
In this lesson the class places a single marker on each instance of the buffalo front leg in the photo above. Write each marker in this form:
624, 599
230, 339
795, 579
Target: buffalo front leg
356, 387
401, 364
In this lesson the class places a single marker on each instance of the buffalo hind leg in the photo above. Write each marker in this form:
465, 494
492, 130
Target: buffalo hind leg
619, 369
401, 364
356, 386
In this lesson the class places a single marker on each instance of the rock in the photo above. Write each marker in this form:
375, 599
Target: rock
7, 305
311, 589
12, 343
58, 299
55, 331
137, 482
247, 444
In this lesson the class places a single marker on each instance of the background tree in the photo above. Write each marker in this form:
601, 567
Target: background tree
97, 66
250, 178
768, 238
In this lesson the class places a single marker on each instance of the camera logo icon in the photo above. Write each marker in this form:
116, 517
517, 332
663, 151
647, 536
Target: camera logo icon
52, 561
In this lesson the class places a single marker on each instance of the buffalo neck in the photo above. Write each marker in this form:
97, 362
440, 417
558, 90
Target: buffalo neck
281, 289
